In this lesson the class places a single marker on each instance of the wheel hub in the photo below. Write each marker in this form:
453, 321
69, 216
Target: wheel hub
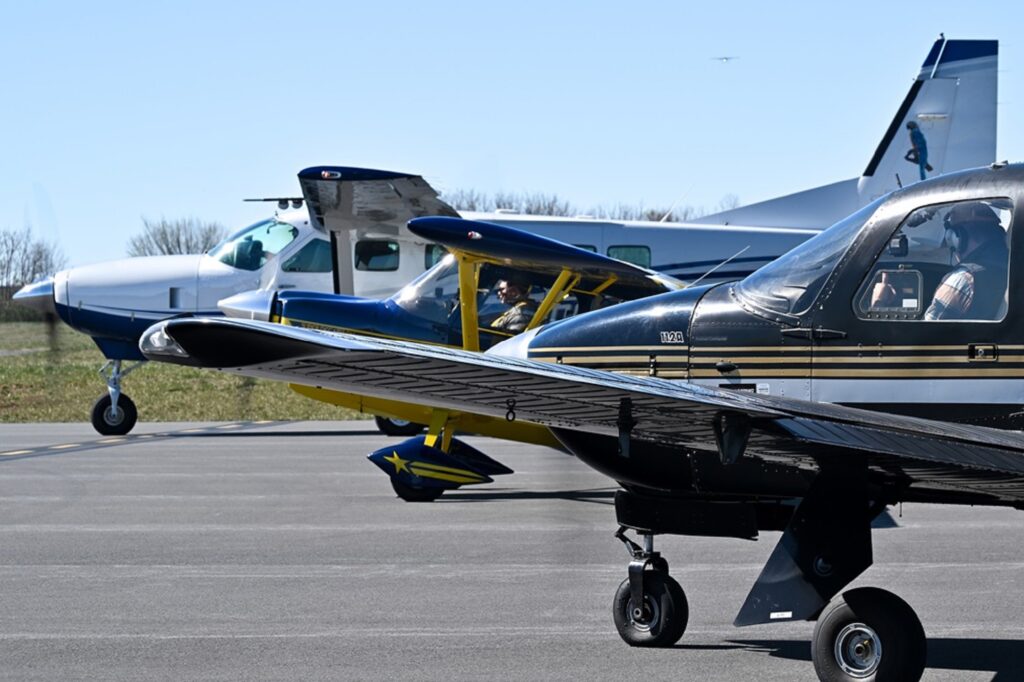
858, 650
643, 618
113, 416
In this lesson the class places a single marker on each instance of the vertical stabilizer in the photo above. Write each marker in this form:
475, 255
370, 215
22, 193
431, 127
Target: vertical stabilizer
950, 113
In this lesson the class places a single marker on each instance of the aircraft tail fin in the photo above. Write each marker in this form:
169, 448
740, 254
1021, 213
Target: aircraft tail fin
951, 112
947, 121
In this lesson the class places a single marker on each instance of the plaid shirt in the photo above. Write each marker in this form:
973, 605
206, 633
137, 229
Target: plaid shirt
953, 297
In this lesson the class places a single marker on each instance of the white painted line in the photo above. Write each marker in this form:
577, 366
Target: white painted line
65, 446
230, 426
12, 453
111, 440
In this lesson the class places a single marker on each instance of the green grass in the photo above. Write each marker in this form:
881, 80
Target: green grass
60, 382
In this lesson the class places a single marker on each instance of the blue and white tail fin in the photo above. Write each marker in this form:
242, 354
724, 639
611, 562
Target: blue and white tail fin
947, 122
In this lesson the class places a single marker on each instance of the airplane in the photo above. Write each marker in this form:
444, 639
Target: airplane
364, 211
792, 400
115, 301
457, 304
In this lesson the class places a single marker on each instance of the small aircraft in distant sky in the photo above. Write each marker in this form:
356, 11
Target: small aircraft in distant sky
791, 400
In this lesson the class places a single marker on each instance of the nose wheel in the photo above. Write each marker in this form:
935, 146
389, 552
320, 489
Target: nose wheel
114, 420
650, 607
114, 414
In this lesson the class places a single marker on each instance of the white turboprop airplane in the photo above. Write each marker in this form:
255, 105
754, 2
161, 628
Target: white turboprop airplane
359, 216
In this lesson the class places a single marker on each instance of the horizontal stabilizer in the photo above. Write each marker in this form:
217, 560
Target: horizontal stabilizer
414, 463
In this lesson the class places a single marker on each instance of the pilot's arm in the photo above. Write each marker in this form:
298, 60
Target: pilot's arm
883, 294
953, 297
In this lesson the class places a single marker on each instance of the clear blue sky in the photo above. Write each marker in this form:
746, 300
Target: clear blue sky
115, 111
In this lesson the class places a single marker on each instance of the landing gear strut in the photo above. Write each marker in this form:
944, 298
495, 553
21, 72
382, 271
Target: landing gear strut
650, 607
114, 414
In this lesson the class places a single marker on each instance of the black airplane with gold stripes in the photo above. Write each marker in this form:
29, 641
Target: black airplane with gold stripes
878, 363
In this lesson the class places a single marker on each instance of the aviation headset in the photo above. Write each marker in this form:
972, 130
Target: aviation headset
961, 219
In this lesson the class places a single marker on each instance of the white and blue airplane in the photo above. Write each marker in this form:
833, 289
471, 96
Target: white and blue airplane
353, 238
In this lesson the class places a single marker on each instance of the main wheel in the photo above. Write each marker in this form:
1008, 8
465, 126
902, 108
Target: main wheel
107, 423
868, 634
660, 621
397, 427
411, 493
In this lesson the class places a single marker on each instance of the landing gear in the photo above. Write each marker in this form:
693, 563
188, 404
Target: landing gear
650, 608
397, 427
109, 420
411, 493
114, 414
868, 634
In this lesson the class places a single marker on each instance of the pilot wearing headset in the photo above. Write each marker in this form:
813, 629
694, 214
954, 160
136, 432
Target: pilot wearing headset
516, 295
976, 288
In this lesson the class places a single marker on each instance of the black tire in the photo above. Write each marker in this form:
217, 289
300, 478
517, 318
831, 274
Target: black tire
411, 493
397, 427
868, 634
106, 423
665, 613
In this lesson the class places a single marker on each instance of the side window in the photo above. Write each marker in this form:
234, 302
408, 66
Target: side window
313, 257
945, 262
378, 255
637, 255
432, 255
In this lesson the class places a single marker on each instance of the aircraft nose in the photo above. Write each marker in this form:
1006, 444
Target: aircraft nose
248, 305
38, 295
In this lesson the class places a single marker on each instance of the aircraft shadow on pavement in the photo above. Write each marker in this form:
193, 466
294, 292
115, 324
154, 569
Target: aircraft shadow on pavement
1000, 656
593, 495
278, 433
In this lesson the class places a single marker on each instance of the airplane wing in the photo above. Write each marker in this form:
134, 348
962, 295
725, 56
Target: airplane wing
986, 465
527, 251
342, 200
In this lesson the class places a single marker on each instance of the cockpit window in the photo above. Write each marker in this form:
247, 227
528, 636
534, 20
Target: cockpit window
313, 257
944, 262
250, 248
791, 283
434, 294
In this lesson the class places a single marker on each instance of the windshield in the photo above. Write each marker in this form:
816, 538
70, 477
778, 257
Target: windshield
434, 294
789, 284
251, 247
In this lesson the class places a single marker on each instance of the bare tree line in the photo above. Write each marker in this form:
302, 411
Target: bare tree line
24, 259
540, 203
181, 236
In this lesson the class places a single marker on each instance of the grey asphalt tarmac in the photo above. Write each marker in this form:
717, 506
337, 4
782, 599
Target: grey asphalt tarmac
276, 551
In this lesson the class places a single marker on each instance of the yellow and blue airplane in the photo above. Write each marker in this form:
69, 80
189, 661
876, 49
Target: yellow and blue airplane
456, 304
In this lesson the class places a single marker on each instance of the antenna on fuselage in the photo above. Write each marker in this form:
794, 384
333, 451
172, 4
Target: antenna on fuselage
697, 281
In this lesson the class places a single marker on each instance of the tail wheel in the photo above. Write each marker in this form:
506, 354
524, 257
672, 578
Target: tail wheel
869, 634
107, 422
397, 427
411, 493
660, 621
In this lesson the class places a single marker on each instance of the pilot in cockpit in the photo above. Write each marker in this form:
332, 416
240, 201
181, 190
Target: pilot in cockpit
515, 294
975, 289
